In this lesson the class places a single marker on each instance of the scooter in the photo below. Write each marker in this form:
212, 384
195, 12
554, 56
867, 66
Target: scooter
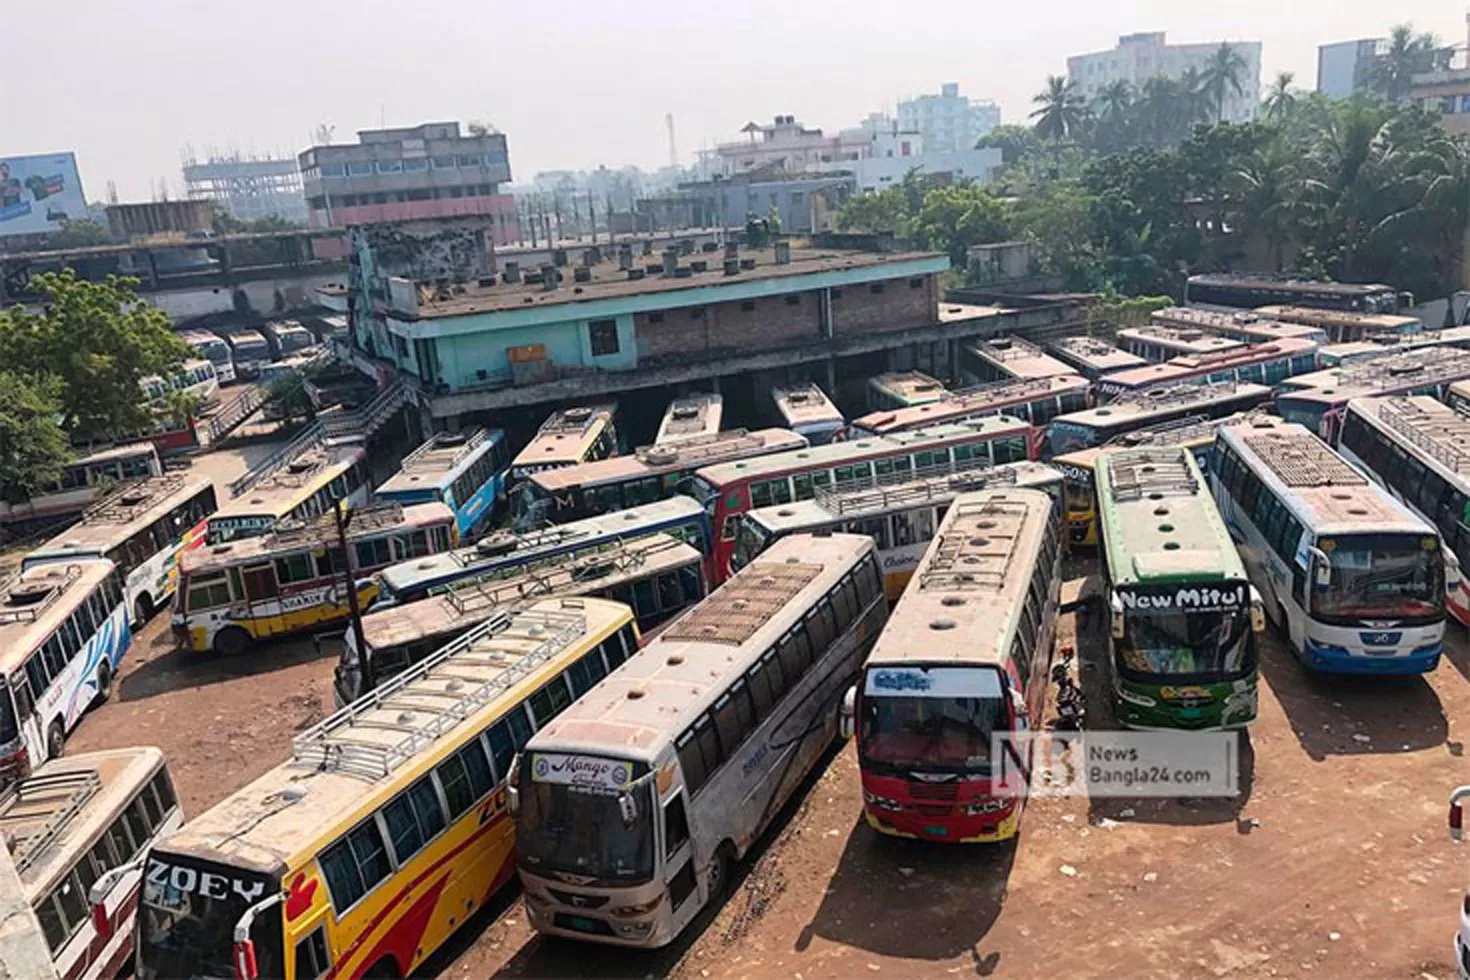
1071, 704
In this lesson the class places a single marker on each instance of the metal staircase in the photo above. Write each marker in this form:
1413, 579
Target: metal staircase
233, 413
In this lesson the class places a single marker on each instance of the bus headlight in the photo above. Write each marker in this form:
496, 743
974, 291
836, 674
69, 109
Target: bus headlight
978, 807
881, 802
628, 911
1132, 697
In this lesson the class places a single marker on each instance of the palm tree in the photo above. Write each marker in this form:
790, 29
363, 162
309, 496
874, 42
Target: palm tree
1281, 100
1224, 73
1408, 54
1061, 110
1265, 196
1194, 101
1113, 100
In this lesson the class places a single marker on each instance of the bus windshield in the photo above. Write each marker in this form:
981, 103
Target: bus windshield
931, 719
1381, 576
585, 831
750, 540
9, 731
1194, 647
186, 930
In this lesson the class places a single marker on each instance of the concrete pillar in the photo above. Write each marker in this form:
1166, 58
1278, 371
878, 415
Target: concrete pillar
831, 374
152, 270
824, 312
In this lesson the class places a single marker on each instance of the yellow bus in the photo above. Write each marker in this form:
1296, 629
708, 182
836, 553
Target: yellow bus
388, 827
569, 437
309, 485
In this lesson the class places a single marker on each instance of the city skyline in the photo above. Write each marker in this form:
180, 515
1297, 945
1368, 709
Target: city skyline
569, 92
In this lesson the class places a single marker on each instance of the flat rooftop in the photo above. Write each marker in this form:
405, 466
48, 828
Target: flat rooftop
609, 282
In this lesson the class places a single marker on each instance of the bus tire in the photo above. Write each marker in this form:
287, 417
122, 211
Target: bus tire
386, 968
104, 683
143, 609
55, 740
231, 641
719, 873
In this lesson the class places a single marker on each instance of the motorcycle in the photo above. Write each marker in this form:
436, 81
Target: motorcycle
1071, 703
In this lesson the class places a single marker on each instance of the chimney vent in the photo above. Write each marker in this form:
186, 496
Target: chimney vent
647, 246
747, 264
783, 253
732, 267
699, 265
512, 272
559, 257
635, 274
550, 278
671, 261
582, 274
732, 250
625, 258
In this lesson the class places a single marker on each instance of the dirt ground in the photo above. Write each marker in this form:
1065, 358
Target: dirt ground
1334, 862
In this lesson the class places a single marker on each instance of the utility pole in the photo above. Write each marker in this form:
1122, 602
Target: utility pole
343, 518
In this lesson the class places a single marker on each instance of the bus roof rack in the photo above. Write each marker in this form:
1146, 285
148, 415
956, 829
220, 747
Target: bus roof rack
482, 594
702, 447
24, 601
1300, 459
374, 517
964, 559
1161, 470
1443, 433
60, 796
453, 445
732, 613
124, 502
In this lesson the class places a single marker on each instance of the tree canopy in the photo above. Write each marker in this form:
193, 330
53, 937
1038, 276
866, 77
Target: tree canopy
32, 445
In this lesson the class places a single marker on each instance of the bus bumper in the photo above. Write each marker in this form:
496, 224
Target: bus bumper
1337, 660
553, 919
989, 829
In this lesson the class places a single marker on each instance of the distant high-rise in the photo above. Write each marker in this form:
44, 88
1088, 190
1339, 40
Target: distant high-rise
1139, 57
1344, 67
948, 121
248, 189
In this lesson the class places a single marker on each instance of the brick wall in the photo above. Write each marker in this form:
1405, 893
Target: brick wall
727, 327
899, 305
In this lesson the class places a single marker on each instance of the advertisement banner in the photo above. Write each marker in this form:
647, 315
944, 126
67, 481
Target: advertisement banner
39, 194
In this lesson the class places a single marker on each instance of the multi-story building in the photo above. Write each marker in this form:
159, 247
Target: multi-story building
1447, 90
787, 145
948, 121
248, 189
1139, 57
427, 171
1346, 66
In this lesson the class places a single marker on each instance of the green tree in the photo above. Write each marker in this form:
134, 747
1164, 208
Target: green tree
875, 211
1224, 74
32, 445
1263, 187
98, 341
1392, 73
1281, 99
1014, 142
79, 234
954, 218
1061, 109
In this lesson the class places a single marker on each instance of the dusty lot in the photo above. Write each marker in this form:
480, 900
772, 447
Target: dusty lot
1333, 863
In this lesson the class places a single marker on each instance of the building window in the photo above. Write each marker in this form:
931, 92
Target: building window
466, 160
416, 165
444, 163
747, 306
400, 346
603, 335
793, 300
1465, 103
361, 168
390, 166
875, 288
917, 282
333, 170
696, 313
657, 317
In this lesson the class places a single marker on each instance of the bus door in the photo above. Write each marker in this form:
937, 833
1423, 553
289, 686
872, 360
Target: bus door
681, 877
29, 736
262, 599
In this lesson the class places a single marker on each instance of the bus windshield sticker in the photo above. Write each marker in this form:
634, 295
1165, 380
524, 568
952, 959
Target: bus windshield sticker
585, 771
934, 682
1187, 599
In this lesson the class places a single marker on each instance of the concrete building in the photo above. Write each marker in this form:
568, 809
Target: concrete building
806, 203
948, 121
789, 146
176, 219
1447, 90
1343, 67
427, 171
1139, 57
248, 189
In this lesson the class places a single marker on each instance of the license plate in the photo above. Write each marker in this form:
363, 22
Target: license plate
937, 831
580, 924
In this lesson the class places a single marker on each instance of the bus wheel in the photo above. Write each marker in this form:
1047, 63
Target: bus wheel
55, 740
143, 609
231, 641
104, 683
719, 873
385, 968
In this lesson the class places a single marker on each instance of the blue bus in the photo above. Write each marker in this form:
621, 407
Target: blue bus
465, 472
506, 553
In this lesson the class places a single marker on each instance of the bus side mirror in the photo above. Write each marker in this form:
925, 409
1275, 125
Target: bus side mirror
1116, 606
1457, 813
847, 722
244, 957
1258, 612
1321, 567
628, 807
513, 801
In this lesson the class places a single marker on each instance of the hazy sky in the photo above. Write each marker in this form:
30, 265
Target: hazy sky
128, 85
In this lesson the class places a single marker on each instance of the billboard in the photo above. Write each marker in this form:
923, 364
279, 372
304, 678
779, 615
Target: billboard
39, 194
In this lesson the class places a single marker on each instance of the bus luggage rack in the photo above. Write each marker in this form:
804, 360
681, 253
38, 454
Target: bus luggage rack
57, 798
695, 450
1443, 434
376, 517
733, 612
425, 710
1427, 366
481, 594
1008, 348
1161, 470
37, 594
444, 451
124, 502
845, 499
571, 420
828, 496
977, 551
521, 544
1300, 459
987, 392
1178, 394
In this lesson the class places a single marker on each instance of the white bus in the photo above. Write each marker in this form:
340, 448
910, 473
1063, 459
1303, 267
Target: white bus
1006, 359
1420, 449
633, 804
902, 389
311, 484
77, 829
1159, 343
214, 350
250, 352
1353, 577
287, 337
196, 377
143, 527
64, 630
569, 436
808, 412
1093, 357
691, 417
82, 480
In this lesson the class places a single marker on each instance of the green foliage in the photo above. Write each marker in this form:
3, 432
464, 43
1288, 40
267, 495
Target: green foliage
1014, 142
956, 217
1117, 312
79, 234
32, 445
227, 224
1061, 109
875, 211
97, 341
289, 396
1391, 73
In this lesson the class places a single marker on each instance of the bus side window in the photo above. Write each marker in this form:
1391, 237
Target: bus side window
691, 760
312, 960
502, 748
795, 654
676, 825
819, 627
760, 692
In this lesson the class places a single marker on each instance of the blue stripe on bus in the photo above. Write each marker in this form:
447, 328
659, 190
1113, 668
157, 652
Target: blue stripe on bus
112, 641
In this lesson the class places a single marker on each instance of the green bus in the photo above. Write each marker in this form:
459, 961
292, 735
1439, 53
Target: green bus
1183, 616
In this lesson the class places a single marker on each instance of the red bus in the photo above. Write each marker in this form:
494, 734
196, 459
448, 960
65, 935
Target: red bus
1266, 364
727, 490
1037, 401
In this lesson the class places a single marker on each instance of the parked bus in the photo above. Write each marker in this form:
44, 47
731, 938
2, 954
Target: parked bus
311, 484
1319, 400
649, 474
142, 527
1007, 358
195, 378
570, 436
1419, 449
250, 352
1352, 352
1037, 401
507, 555
464, 472
1254, 364
81, 481
902, 389
728, 490
387, 829
1253, 292
1157, 406
633, 806
1196, 434
1158, 343
64, 630
1354, 579
656, 576
1343, 326
899, 517
808, 412
1093, 357
76, 829
691, 417
287, 337
1246, 326
966, 656
291, 580
214, 350
1183, 614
